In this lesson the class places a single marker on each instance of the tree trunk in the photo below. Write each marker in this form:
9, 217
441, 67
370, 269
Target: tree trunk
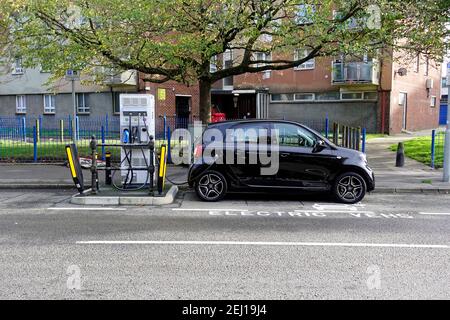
205, 101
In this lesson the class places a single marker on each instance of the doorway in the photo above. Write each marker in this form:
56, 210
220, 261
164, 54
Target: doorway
183, 110
403, 102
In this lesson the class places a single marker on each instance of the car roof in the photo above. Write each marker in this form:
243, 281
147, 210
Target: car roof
232, 122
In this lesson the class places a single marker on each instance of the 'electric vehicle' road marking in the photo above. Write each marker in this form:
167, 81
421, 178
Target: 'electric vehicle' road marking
263, 243
183, 209
88, 209
435, 213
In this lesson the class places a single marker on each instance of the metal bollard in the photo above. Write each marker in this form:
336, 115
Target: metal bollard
94, 173
108, 176
151, 167
400, 159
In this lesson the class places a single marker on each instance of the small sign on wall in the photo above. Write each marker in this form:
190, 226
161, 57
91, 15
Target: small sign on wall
161, 94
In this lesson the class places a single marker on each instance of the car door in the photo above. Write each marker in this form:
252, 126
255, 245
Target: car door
246, 139
299, 166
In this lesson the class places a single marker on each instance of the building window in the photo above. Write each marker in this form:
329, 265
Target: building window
116, 102
370, 95
433, 102
228, 82
304, 96
17, 66
282, 97
305, 14
328, 96
49, 103
21, 104
82, 103
213, 65
351, 23
444, 82
262, 56
308, 65
401, 98
351, 96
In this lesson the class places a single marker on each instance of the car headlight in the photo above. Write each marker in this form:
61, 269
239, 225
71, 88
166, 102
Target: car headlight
363, 157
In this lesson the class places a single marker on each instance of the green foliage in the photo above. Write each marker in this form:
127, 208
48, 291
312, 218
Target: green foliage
419, 149
176, 39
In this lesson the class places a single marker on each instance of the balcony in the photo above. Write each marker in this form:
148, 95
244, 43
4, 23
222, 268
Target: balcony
354, 73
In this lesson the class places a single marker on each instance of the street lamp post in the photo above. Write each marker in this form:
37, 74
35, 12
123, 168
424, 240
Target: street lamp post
72, 76
446, 177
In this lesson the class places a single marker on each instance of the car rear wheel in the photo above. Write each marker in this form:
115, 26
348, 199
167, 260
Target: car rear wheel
349, 188
211, 186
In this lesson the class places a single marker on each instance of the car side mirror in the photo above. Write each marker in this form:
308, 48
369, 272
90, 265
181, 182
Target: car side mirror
319, 146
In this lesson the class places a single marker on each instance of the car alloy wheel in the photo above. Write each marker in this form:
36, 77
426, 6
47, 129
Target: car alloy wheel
211, 186
350, 188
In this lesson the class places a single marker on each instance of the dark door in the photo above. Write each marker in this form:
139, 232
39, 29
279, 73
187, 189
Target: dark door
443, 115
299, 167
246, 105
183, 110
246, 165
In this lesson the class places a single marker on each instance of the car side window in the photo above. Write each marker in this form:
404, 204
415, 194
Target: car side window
250, 133
290, 135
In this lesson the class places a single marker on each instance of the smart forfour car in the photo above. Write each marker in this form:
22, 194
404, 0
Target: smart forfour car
307, 162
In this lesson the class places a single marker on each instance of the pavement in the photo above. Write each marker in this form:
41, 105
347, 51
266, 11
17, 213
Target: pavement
245, 247
414, 177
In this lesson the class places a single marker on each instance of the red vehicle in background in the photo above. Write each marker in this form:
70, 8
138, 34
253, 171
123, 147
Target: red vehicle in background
218, 117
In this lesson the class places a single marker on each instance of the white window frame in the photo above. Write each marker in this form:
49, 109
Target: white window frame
283, 100
264, 57
402, 96
304, 93
21, 104
227, 56
351, 92
49, 103
433, 101
308, 65
17, 67
213, 64
85, 109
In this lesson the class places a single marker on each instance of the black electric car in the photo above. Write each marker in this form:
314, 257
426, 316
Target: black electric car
229, 159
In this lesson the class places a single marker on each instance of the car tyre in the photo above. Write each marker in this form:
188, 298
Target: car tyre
211, 186
349, 188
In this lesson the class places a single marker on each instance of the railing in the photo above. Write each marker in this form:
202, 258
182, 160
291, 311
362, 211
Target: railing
43, 139
437, 148
351, 72
349, 137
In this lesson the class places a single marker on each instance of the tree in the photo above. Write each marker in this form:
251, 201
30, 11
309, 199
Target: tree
178, 39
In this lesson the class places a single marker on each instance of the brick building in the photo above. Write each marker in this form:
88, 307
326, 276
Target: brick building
383, 96
388, 95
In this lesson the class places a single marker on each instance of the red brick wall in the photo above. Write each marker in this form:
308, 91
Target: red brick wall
420, 115
290, 80
172, 89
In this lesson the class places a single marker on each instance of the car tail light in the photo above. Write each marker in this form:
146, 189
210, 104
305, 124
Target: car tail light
198, 150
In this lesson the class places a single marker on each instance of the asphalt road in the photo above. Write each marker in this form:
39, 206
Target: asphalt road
245, 247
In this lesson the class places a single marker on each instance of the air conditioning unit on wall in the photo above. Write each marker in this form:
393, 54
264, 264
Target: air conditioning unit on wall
429, 84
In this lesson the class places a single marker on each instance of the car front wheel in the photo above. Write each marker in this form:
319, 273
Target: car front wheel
349, 188
211, 186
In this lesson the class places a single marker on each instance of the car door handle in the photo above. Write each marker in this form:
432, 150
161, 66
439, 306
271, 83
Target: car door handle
284, 155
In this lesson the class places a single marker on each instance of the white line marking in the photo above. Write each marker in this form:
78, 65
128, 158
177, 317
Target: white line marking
435, 213
286, 244
262, 209
88, 209
182, 209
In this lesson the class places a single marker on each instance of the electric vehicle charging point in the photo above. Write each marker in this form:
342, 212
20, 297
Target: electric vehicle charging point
136, 171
